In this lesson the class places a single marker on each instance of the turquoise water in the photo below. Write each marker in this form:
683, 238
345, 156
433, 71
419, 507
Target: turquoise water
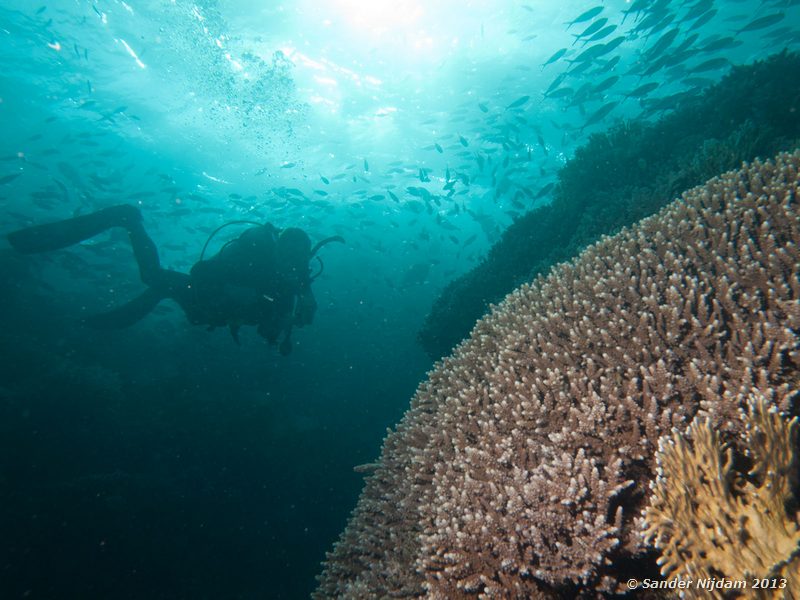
165, 461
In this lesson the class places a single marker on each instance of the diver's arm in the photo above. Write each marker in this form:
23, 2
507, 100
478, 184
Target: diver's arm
272, 329
305, 307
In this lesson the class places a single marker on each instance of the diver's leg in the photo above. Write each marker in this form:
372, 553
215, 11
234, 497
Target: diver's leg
162, 283
127, 314
53, 236
178, 287
146, 253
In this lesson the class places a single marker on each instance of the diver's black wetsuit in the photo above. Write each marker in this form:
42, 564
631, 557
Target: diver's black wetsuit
261, 278
251, 281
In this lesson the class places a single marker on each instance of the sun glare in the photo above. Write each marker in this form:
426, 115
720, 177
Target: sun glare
378, 17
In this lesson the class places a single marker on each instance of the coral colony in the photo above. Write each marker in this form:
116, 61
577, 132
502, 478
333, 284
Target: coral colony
526, 460
709, 519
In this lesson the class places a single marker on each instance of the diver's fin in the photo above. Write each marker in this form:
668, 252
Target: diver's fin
127, 314
53, 236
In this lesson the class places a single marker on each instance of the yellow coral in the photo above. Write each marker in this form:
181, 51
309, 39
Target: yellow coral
712, 522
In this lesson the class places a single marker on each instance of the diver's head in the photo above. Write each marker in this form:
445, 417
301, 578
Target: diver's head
293, 252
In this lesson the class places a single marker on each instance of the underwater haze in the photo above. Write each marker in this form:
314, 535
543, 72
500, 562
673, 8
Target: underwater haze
165, 460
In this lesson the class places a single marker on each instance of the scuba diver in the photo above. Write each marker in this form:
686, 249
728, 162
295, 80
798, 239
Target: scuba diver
262, 278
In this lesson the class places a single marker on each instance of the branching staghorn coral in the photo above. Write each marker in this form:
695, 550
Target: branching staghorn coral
524, 462
712, 522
